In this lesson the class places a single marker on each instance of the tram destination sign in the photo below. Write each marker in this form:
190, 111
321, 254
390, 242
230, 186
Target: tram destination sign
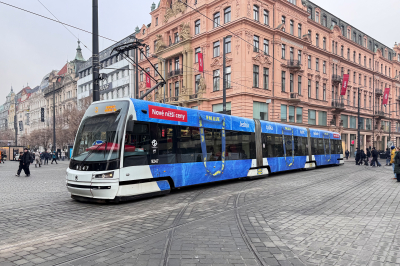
167, 113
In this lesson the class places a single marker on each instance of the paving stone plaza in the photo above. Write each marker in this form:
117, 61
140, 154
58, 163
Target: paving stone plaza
345, 215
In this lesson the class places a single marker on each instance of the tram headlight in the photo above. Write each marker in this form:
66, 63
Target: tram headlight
104, 175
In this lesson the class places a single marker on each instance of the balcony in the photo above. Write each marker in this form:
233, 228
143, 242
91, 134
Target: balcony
338, 105
379, 114
294, 64
193, 96
294, 97
175, 72
336, 79
378, 92
174, 99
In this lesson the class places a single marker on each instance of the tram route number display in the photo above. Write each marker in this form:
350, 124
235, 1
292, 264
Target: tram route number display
167, 113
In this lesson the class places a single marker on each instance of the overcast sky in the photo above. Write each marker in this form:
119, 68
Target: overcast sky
32, 46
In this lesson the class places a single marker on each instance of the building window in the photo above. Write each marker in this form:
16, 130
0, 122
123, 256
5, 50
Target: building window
309, 88
197, 27
177, 63
176, 37
266, 78
216, 49
311, 117
228, 77
266, 47
317, 64
324, 43
196, 54
227, 15
156, 21
299, 30
283, 113
316, 90
291, 53
283, 81
218, 108
322, 117
324, 67
291, 114
197, 83
299, 115
255, 76
299, 85
216, 80
177, 89
316, 16
256, 43
317, 40
283, 51
324, 92
228, 45
266, 17
291, 85
255, 13
341, 50
292, 27
283, 23
309, 62
345, 120
324, 20
299, 56
260, 111
309, 10
141, 76
216, 19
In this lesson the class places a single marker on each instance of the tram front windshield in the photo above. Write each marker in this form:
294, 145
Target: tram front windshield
100, 134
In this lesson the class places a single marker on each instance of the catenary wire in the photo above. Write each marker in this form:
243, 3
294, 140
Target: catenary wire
64, 25
1, 2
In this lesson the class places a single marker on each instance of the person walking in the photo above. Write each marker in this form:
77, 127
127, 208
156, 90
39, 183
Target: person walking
46, 157
21, 166
392, 155
369, 155
62, 155
26, 161
396, 164
358, 157
54, 158
387, 154
37, 159
375, 155
347, 153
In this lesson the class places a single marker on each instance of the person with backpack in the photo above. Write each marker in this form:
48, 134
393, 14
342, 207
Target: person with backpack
375, 155
54, 158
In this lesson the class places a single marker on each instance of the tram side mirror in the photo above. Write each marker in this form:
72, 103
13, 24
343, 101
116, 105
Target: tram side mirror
129, 126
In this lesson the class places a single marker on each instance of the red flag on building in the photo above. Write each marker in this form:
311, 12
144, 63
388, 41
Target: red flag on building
200, 59
344, 84
148, 82
386, 96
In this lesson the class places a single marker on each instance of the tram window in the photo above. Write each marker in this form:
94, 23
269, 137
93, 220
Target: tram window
189, 145
137, 145
300, 146
240, 145
320, 149
289, 146
267, 140
326, 144
167, 144
314, 146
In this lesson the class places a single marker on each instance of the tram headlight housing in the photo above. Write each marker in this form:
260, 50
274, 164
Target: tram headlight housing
104, 175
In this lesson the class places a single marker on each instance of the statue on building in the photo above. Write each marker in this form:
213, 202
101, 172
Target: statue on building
177, 7
185, 31
159, 43
202, 85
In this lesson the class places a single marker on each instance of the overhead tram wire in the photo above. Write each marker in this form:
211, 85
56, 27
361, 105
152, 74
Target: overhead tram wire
1, 2
64, 25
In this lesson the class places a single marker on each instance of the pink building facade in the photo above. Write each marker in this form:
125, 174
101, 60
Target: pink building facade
284, 63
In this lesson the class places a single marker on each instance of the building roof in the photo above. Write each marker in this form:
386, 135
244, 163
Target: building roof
79, 56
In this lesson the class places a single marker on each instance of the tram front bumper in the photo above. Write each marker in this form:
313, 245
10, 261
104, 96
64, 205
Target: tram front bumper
97, 190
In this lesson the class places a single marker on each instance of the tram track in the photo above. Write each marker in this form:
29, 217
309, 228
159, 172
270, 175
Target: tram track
103, 225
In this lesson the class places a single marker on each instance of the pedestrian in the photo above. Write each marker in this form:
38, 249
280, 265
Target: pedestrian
62, 155
26, 161
392, 155
369, 155
387, 154
38, 161
375, 154
21, 165
363, 158
355, 153
347, 154
397, 164
54, 158
358, 157
46, 157
32, 154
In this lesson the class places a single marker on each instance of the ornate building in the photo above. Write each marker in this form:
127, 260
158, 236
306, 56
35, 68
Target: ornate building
285, 61
4, 108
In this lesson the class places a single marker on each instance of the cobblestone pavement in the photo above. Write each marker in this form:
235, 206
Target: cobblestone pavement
345, 215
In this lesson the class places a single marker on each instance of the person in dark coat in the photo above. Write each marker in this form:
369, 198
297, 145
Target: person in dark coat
347, 153
358, 157
21, 166
46, 157
387, 154
397, 164
26, 161
375, 155
55, 157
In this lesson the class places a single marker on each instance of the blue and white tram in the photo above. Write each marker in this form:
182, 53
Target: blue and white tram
130, 148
